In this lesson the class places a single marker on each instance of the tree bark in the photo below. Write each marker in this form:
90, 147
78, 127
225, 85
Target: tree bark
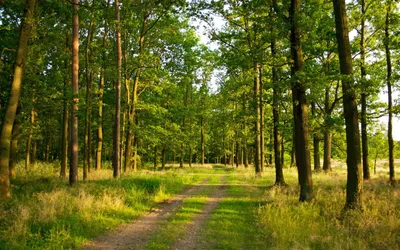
13, 98
73, 170
258, 158
117, 120
364, 85
99, 149
354, 170
317, 164
327, 135
14, 146
88, 108
64, 132
300, 110
390, 100
279, 179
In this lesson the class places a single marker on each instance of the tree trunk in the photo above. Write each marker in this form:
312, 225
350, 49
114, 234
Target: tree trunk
73, 170
327, 135
163, 152
88, 109
14, 146
29, 142
117, 120
13, 99
262, 120
364, 85
390, 101
354, 169
155, 157
300, 110
99, 149
258, 159
317, 164
279, 179
64, 132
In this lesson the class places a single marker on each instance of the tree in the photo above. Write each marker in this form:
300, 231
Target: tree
74, 145
13, 99
354, 186
300, 109
389, 89
117, 120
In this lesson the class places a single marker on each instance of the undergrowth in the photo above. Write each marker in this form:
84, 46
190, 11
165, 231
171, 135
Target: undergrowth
46, 213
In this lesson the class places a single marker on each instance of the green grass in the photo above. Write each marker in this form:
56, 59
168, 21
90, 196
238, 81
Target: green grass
45, 213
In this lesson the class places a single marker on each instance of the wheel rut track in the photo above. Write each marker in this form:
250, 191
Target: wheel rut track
135, 235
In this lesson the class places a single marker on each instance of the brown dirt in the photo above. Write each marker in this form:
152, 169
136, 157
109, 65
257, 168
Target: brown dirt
135, 235
192, 239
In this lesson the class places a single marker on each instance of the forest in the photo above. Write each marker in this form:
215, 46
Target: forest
199, 124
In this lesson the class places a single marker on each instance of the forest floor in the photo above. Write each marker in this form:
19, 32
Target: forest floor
213, 207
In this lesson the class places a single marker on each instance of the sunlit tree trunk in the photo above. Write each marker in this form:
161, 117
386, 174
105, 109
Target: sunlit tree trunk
73, 170
317, 164
88, 108
300, 109
13, 99
354, 170
117, 120
99, 149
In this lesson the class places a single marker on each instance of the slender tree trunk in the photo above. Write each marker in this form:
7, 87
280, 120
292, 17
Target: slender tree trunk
29, 143
327, 135
354, 169
283, 152
99, 149
364, 136
163, 152
258, 159
317, 164
64, 132
279, 179
14, 146
300, 110
88, 108
117, 120
13, 99
262, 120
73, 169
390, 101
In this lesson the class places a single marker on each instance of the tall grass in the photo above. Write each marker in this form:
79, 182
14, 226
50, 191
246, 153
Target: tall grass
45, 213
288, 224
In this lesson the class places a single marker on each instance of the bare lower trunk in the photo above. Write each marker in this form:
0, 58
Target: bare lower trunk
327, 151
13, 99
14, 147
117, 120
354, 170
300, 110
390, 101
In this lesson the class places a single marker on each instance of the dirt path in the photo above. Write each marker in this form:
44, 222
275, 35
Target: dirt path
192, 239
136, 235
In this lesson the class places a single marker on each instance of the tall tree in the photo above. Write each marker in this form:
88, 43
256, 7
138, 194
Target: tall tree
73, 167
300, 109
389, 89
354, 186
117, 120
9, 117
99, 149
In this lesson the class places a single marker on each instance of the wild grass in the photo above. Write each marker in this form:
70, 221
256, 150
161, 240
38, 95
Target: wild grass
45, 213
322, 224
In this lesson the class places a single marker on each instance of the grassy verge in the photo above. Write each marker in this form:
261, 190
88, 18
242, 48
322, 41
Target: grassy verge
288, 224
45, 213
